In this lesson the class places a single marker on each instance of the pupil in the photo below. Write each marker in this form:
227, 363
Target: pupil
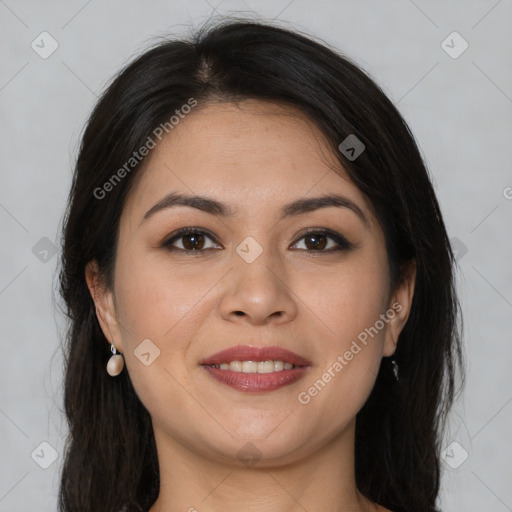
195, 238
317, 241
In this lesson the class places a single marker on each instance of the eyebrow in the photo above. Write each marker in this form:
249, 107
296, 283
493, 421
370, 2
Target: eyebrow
214, 207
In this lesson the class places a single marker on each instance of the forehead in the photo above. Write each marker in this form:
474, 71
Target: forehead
253, 154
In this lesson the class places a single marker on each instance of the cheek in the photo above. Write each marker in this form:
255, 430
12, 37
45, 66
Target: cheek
346, 300
156, 307
158, 303
153, 297
348, 305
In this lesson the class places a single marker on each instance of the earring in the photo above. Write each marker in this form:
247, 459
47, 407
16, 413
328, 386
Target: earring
115, 364
395, 368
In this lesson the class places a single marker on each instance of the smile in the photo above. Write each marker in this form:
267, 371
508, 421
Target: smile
255, 366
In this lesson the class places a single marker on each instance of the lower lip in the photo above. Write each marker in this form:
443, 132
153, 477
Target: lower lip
257, 382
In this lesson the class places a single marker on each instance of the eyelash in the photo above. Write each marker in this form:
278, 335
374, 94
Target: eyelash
343, 243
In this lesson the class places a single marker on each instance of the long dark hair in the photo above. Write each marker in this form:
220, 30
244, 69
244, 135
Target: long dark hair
111, 459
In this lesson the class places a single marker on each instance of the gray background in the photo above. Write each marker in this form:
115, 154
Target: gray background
460, 110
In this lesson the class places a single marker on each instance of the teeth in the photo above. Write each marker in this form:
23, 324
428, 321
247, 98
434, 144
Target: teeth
255, 366
235, 366
249, 367
278, 366
265, 366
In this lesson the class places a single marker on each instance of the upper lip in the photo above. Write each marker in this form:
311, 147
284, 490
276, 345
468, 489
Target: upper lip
251, 353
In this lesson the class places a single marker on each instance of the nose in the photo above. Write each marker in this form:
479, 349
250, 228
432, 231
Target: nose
258, 293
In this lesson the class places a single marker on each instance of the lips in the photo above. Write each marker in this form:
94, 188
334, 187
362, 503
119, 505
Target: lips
250, 353
256, 382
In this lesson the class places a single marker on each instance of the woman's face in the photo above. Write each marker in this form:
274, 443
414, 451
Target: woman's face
256, 278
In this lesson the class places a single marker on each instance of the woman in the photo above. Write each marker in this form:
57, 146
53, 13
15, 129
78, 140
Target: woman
260, 288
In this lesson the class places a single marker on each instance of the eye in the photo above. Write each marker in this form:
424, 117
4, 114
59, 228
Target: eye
317, 240
193, 240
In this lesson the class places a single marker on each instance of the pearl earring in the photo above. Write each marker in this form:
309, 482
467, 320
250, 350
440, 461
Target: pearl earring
115, 364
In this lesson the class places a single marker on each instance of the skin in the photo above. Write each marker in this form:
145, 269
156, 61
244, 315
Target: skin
255, 156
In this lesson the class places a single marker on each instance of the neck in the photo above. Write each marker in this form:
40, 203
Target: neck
323, 480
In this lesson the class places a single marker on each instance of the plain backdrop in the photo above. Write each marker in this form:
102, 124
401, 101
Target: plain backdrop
457, 101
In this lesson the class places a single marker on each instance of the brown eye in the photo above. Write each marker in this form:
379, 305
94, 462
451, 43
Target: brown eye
191, 241
317, 241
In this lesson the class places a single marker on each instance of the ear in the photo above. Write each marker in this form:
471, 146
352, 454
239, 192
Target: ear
105, 306
399, 308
